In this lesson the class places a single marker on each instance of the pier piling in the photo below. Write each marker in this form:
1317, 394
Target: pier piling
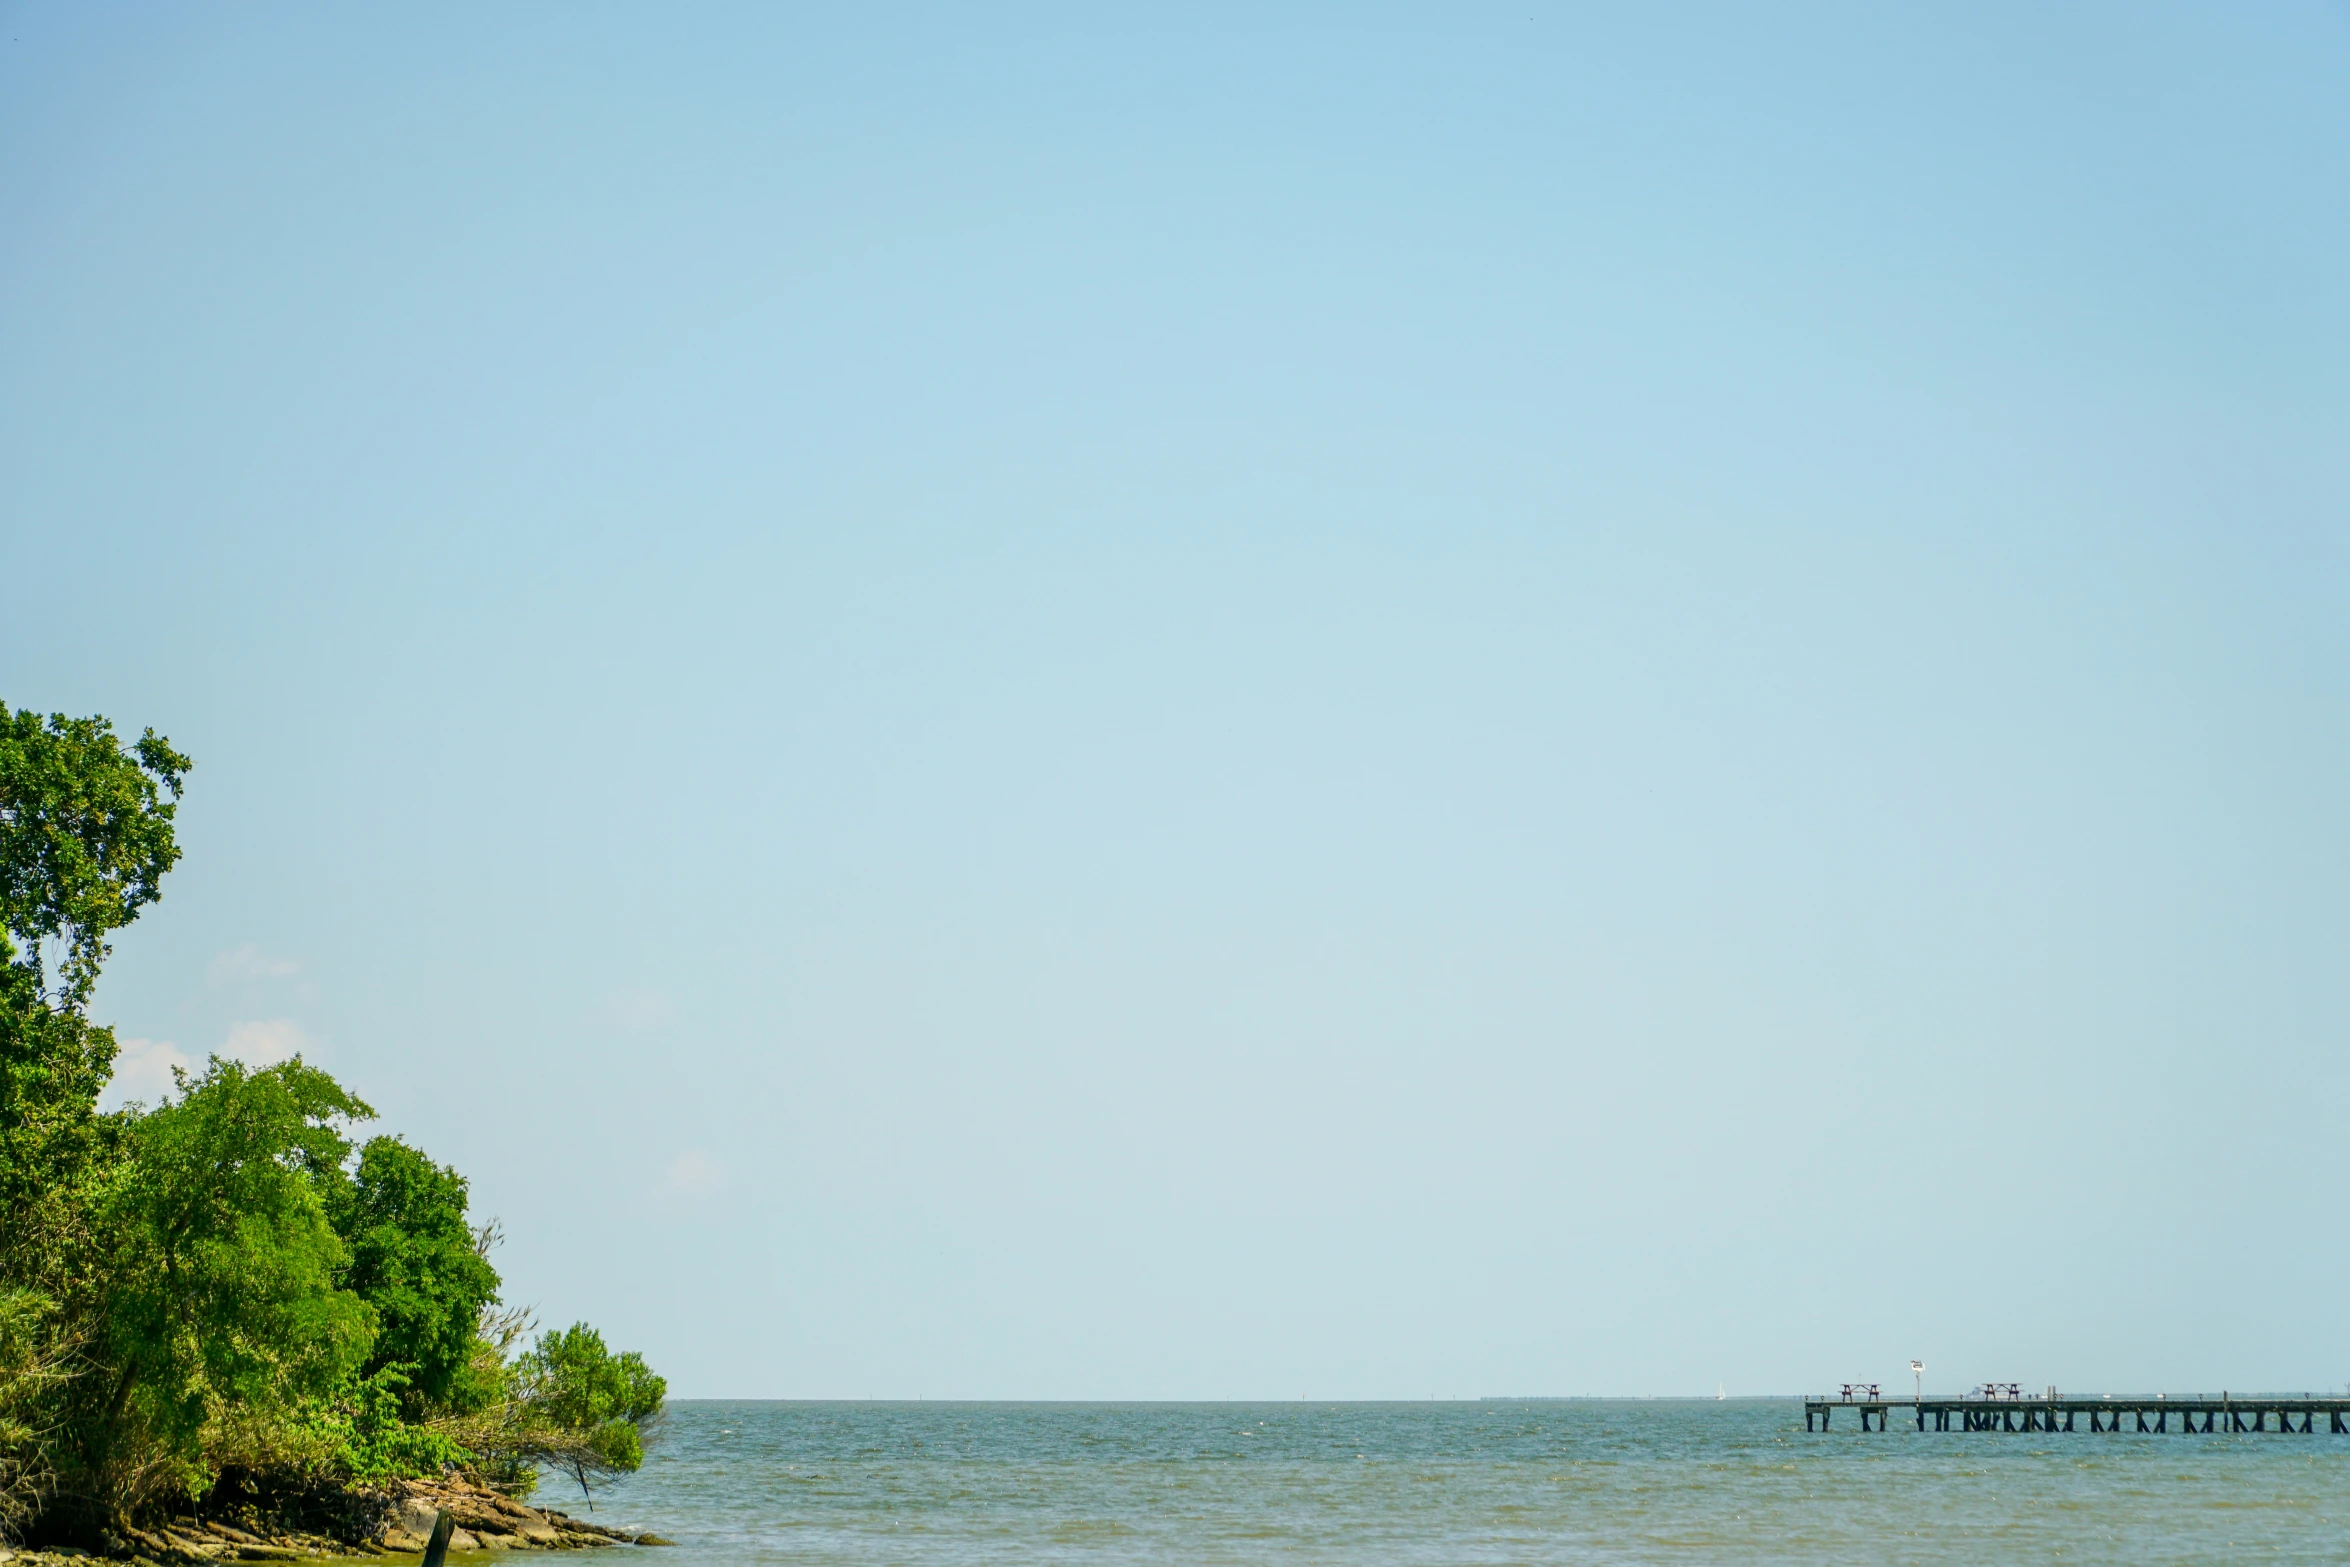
2149, 1414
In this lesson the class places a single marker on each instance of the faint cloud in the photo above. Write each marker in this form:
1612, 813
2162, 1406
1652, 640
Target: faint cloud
637, 1008
266, 1043
143, 1067
248, 963
693, 1174
142, 1072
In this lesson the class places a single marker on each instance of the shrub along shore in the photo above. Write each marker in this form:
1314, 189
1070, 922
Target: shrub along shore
230, 1329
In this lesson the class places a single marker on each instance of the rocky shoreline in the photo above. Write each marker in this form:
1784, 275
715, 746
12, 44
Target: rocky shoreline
397, 1522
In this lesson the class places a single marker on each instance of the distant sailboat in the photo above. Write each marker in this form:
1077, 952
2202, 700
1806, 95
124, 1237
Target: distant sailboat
1721, 1392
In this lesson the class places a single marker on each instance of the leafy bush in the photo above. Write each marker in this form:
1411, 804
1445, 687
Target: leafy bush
371, 1443
413, 1260
587, 1408
220, 1285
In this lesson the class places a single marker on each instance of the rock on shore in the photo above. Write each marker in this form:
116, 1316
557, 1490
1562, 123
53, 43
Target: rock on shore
487, 1521
401, 1521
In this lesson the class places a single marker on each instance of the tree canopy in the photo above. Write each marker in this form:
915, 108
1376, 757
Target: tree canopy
86, 835
590, 1404
221, 1282
413, 1258
221, 1290
85, 839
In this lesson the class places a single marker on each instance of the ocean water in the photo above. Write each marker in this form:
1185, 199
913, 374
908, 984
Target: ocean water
1568, 1482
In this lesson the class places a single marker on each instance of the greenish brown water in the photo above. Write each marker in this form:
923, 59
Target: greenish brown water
1565, 1482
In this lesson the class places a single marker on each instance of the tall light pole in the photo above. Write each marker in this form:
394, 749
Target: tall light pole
1917, 1368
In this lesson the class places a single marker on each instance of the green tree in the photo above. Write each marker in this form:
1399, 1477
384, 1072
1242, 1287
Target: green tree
54, 1146
85, 839
413, 1259
86, 835
588, 1408
220, 1294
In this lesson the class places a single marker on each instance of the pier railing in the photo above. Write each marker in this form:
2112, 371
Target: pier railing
1998, 1409
1978, 1396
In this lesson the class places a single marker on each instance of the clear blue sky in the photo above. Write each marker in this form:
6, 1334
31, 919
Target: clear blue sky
1343, 701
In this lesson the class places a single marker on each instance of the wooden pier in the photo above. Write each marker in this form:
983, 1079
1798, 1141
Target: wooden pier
2152, 1413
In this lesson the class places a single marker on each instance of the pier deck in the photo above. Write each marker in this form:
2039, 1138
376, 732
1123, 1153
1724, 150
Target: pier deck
2106, 1412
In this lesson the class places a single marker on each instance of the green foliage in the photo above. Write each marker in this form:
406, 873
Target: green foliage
578, 1383
221, 1290
54, 1146
588, 1407
85, 838
367, 1440
31, 1369
215, 1284
413, 1260
489, 1415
